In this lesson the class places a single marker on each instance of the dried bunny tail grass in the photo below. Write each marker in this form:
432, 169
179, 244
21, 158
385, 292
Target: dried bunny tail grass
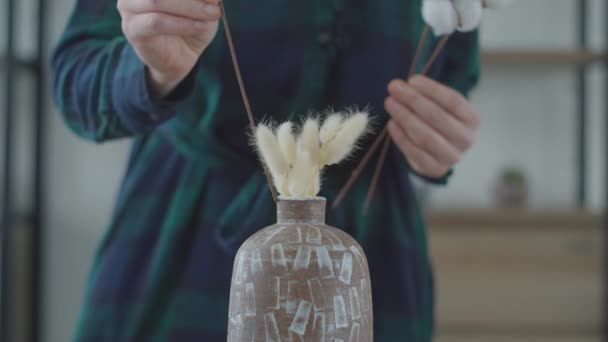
309, 140
287, 142
300, 177
315, 184
331, 126
440, 15
267, 145
470, 13
342, 145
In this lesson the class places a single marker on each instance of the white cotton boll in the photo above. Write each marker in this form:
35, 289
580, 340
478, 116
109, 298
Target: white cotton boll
341, 146
287, 142
440, 15
268, 146
331, 126
469, 14
309, 140
496, 4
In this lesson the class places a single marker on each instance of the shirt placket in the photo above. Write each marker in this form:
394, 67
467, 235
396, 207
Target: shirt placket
319, 56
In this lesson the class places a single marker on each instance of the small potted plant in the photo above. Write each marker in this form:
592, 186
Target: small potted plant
512, 188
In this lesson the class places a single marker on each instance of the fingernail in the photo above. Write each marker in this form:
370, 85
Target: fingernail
395, 85
401, 86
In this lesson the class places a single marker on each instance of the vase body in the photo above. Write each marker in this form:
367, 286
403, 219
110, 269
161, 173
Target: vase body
300, 280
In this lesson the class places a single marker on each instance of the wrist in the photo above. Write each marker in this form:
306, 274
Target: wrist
161, 85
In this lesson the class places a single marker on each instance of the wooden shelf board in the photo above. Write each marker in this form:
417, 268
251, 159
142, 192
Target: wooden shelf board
22, 62
512, 218
542, 57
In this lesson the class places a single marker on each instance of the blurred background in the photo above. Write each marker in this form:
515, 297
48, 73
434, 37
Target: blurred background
516, 237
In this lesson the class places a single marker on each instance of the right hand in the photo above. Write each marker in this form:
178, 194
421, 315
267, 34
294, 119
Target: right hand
169, 36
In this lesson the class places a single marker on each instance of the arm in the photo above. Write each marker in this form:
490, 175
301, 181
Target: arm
102, 85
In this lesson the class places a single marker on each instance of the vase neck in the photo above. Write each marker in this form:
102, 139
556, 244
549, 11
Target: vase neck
301, 210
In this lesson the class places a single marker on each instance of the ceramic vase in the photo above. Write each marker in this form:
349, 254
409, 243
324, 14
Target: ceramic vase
300, 280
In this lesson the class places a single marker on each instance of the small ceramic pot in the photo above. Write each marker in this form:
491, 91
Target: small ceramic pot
300, 280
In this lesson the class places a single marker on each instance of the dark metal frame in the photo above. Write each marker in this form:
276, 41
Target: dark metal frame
605, 223
35, 67
7, 210
582, 106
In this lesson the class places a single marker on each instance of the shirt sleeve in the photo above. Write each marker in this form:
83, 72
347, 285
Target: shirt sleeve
100, 84
461, 67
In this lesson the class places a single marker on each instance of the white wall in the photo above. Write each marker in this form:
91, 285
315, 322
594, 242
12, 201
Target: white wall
83, 181
529, 118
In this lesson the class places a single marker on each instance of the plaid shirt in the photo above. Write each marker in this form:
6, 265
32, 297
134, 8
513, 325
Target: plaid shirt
193, 190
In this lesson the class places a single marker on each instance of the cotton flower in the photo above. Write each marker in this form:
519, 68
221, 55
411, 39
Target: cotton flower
440, 15
446, 16
469, 14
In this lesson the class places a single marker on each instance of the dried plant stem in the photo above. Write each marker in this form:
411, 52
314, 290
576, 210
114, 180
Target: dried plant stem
239, 78
419, 49
374, 184
435, 54
359, 169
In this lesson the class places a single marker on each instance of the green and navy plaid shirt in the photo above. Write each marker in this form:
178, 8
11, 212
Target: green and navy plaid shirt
193, 190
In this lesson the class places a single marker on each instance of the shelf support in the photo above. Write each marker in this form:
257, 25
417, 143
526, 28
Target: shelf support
7, 209
581, 164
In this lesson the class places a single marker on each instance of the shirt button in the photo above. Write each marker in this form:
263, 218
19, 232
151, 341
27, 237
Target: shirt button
324, 37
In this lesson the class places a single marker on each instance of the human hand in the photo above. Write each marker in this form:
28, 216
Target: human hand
432, 124
169, 36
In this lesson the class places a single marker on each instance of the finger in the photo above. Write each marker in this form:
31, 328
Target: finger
150, 24
193, 9
419, 160
454, 131
449, 99
421, 134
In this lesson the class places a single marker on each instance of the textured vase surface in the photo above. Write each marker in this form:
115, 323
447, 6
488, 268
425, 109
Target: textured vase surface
300, 280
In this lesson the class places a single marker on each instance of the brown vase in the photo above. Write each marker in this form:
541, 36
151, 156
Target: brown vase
300, 280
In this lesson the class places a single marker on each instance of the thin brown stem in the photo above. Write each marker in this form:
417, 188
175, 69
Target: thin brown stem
374, 184
357, 171
382, 159
239, 78
419, 49
380, 163
435, 54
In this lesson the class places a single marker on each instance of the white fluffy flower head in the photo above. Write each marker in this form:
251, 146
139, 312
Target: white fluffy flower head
296, 163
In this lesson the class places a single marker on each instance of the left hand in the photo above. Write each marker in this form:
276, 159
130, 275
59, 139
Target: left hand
433, 125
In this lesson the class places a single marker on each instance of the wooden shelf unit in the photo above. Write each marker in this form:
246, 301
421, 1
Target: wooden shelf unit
542, 57
517, 275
